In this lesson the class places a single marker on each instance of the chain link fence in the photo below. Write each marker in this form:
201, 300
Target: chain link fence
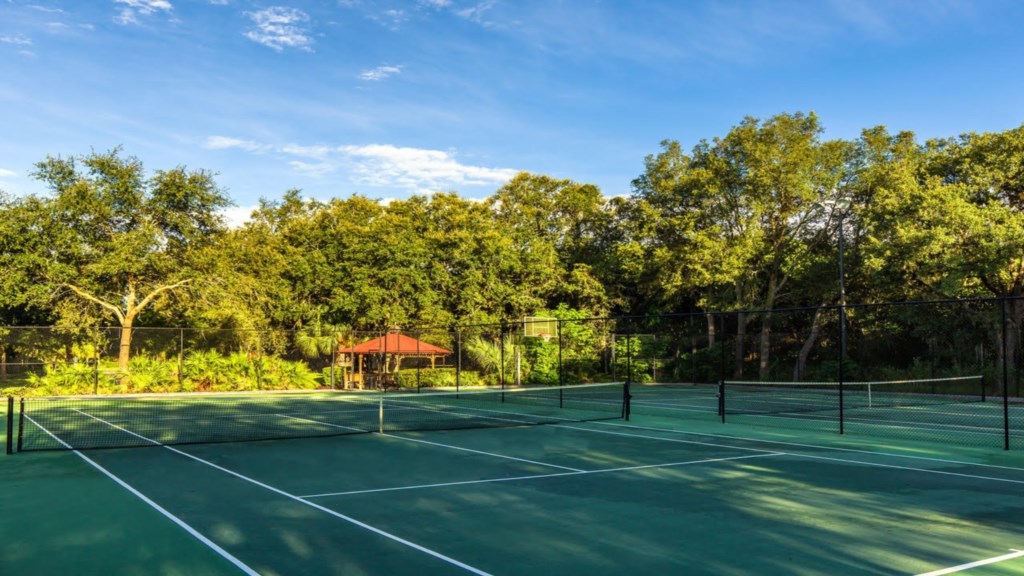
946, 371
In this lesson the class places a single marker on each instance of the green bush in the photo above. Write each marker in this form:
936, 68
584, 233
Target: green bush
206, 371
437, 378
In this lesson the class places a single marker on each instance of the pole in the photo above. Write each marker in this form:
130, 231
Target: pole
1006, 380
842, 323
10, 424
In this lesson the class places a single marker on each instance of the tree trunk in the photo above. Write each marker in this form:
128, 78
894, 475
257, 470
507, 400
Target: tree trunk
711, 330
805, 350
125, 349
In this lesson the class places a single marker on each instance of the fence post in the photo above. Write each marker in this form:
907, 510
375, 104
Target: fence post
1006, 380
96, 361
10, 424
181, 359
561, 369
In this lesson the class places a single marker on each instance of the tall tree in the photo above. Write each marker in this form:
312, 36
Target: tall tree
737, 212
122, 241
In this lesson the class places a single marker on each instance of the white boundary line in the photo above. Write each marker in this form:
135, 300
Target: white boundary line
388, 435
814, 457
192, 531
301, 500
541, 476
407, 439
798, 444
1013, 554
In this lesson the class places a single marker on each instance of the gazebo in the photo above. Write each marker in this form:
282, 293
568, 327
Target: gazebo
390, 348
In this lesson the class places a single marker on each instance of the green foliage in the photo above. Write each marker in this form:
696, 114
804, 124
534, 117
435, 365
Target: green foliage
633, 358
206, 371
436, 378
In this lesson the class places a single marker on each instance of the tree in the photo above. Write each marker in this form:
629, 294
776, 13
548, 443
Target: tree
737, 213
121, 242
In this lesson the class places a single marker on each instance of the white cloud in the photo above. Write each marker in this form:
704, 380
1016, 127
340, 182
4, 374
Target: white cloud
4, 173
225, 142
237, 216
46, 9
278, 28
477, 12
380, 73
17, 40
417, 169
134, 8
437, 4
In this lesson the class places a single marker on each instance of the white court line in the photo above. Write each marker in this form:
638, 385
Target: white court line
482, 452
299, 499
810, 456
331, 425
832, 448
192, 531
1013, 554
541, 476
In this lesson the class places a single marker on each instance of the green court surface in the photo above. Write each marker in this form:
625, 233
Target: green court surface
667, 492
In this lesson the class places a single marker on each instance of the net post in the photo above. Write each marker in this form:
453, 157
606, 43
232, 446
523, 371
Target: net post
721, 399
627, 403
21, 422
10, 424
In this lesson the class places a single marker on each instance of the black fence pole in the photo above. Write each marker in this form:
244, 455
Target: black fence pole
1006, 379
10, 424
501, 353
181, 359
561, 373
458, 360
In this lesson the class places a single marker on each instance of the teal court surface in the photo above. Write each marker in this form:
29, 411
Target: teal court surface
672, 490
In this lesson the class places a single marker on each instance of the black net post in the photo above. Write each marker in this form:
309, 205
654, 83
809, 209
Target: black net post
627, 397
10, 424
721, 399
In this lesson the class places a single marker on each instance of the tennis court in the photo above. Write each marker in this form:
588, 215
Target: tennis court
670, 491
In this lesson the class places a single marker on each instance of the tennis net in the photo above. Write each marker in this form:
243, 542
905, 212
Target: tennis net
87, 422
749, 397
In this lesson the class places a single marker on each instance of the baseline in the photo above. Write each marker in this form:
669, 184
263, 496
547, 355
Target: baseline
1013, 554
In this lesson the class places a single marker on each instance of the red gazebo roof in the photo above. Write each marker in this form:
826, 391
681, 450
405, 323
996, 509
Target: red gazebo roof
396, 344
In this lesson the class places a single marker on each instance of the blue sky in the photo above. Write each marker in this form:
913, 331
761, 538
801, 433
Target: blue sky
393, 98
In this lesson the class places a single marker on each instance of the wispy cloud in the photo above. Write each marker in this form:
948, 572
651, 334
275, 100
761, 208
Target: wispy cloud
4, 173
225, 143
133, 9
477, 12
437, 4
16, 40
278, 28
380, 73
416, 170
